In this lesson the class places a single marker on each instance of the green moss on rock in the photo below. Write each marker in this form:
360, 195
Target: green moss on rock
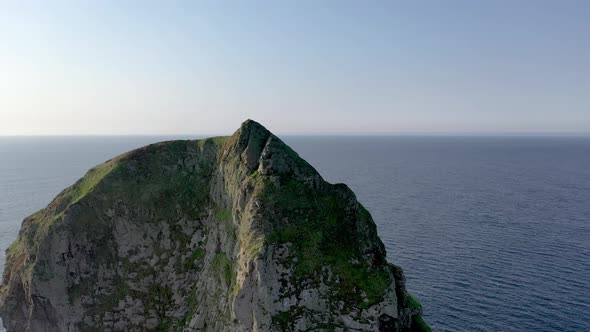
222, 266
411, 302
419, 325
321, 226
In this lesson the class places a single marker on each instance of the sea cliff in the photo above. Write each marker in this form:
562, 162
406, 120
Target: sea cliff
232, 233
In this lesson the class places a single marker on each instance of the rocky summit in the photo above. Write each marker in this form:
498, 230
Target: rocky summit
230, 233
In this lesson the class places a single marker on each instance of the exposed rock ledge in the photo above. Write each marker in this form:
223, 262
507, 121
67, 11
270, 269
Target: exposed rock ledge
223, 234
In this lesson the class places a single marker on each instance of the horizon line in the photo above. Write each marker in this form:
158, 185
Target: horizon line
328, 134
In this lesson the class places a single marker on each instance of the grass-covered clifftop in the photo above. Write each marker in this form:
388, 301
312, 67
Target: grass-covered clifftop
226, 233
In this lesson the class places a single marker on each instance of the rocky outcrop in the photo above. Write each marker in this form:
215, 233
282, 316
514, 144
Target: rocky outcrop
223, 234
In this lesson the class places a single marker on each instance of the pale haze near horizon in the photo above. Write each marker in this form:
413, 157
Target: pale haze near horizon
305, 67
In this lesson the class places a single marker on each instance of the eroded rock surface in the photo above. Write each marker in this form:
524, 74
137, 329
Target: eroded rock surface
223, 234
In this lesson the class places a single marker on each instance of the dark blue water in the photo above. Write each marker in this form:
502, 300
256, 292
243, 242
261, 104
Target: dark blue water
493, 233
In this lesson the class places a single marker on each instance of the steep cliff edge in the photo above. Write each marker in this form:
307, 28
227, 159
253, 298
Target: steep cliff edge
230, 233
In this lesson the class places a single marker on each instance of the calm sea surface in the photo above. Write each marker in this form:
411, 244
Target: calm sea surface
493, 233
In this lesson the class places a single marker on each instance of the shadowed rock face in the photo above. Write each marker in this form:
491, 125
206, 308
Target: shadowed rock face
223, 234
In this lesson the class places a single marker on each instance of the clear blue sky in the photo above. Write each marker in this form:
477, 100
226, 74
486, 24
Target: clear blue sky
141, 67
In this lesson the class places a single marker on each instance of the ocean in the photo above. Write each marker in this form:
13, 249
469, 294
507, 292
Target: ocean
493, 233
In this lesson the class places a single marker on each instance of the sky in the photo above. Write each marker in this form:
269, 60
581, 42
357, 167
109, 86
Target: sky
298, 67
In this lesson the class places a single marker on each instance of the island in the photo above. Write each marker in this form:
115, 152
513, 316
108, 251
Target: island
233, 233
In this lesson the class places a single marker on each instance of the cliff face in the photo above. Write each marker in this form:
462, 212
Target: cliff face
224, 234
